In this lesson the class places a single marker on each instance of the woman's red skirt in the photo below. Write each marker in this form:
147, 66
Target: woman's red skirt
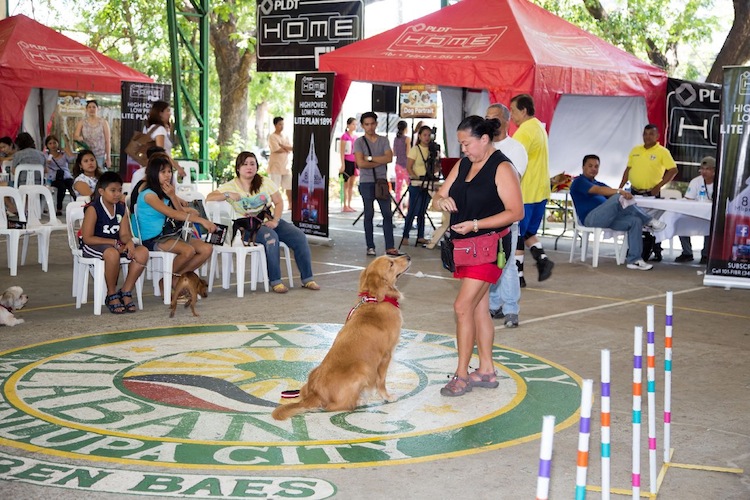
484, 272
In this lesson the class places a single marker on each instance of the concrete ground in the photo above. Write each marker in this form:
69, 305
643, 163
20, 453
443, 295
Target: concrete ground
566, 320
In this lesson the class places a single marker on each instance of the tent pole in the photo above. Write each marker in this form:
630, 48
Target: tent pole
40, 110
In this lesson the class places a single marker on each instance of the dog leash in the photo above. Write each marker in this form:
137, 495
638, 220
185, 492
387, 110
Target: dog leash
367, 298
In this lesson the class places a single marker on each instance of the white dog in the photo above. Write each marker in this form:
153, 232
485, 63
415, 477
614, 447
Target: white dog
12, 299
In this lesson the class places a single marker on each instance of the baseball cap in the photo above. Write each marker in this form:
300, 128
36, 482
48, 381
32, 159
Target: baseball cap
708, 161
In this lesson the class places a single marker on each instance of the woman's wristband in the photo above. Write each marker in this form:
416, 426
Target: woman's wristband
476, 226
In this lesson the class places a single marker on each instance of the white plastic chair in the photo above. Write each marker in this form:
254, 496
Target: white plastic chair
621, 247
671, 194
82, 265
186, 183
31, 171
13, 236
31, 196
221, 212
160, 267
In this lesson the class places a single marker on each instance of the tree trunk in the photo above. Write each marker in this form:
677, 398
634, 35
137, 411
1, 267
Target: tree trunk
736, 49
233, 66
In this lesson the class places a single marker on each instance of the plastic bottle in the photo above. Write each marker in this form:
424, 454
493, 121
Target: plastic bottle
702, 193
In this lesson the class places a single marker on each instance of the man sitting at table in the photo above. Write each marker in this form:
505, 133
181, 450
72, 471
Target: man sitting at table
705, 182
598, 205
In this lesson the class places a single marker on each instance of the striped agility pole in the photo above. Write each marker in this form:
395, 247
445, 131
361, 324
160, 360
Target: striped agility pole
651, 388
584, 433
668, 377
545, 458
637, 391
605, 421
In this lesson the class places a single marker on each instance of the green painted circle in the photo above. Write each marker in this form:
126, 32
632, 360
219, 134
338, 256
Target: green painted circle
201, 396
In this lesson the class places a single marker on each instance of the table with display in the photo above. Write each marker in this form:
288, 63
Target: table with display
682, 217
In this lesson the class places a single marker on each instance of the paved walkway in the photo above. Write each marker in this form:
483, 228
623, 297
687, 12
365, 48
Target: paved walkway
154, 409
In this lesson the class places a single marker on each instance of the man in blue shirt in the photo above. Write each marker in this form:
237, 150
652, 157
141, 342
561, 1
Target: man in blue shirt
598, 205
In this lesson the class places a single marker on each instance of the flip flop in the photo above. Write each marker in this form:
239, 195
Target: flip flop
485, 380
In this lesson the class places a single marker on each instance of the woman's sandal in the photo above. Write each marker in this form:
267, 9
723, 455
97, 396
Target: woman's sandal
488, 380
453, 389
280, 288
116, 307
311, 285
129, 306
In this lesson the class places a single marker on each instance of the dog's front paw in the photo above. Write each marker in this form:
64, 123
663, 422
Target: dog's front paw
389, 398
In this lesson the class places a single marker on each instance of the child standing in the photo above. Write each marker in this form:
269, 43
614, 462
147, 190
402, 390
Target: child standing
106, 235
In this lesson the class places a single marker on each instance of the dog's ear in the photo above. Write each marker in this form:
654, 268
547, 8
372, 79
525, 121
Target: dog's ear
372, 280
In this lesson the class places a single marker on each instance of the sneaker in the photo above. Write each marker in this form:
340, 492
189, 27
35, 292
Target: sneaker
371, 252
545, 268
522, 282
640, 265
511, 320
498, 314
656, 225
685, 257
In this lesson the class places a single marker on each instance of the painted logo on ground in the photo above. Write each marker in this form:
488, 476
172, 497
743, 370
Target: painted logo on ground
201, 397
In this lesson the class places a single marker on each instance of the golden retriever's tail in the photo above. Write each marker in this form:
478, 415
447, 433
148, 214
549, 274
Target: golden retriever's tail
283, 412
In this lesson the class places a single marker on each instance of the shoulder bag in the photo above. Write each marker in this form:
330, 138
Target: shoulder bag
139, 145
382, 191
478, 250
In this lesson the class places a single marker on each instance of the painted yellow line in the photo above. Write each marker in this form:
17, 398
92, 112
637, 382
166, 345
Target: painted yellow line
620, 491
708, 468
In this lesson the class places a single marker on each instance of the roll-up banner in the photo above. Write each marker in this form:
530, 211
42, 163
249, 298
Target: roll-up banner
693, 117
313, 121
136, 104
729, 257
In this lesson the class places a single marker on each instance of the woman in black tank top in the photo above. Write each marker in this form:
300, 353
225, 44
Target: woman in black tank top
482, 194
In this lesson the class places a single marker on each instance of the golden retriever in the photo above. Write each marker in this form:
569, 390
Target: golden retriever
191, 285
359, 357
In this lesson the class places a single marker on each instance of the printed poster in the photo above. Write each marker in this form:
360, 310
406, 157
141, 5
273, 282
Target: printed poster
418, 101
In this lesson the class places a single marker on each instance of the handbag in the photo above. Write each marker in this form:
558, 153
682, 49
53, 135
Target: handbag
382, 190
446, 253
478, 250
139, 145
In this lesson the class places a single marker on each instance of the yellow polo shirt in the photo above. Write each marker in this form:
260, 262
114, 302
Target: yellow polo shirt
647, 166
535, 180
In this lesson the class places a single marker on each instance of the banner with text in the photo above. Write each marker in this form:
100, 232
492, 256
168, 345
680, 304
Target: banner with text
292, 34
418, 101
729, 257
136, 104
693, 117
313, 120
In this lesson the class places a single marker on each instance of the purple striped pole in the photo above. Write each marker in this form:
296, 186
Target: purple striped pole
667, 377
545, 458
651, 388
584, 433
605, 417
637, 391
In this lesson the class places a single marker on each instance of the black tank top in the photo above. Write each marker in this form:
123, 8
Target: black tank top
478, 198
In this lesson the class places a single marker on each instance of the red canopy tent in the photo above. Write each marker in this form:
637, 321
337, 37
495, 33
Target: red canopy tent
507, 47
35, 56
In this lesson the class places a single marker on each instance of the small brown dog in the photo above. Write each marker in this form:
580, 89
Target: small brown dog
189, 284
359, 357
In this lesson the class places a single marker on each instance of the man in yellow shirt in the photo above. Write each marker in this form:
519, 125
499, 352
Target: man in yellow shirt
534, 184
650, 167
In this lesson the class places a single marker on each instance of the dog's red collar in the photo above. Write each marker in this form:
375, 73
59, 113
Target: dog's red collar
366, 297
10, 309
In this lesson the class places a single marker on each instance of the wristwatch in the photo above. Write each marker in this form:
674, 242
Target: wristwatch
226, 196
369, 158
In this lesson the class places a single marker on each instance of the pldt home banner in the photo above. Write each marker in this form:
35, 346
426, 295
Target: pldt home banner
313, 120
293, 33
136, 104
729, 258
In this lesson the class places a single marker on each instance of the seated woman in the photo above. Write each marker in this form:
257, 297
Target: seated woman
249, 193
156, 200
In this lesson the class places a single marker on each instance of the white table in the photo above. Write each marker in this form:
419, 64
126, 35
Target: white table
682, 217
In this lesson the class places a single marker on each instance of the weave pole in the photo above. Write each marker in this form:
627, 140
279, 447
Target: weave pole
605, 423
637, 391
651, 388
545, 458
584, 433
668, 377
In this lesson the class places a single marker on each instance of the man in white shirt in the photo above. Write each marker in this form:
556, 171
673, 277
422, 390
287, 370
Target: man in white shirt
505, 294
704, 182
